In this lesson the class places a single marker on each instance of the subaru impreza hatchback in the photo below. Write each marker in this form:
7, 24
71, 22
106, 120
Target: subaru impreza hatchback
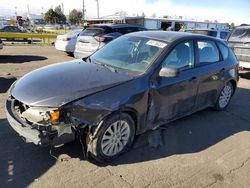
137, 82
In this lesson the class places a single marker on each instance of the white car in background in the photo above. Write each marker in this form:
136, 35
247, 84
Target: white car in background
67, 41
1, 44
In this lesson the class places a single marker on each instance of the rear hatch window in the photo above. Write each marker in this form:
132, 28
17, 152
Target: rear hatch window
93, 31
240, 35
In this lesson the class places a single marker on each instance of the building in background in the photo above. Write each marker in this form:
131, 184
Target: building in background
150, 23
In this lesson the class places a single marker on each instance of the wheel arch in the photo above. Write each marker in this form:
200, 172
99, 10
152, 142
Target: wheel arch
130, 111
234, 83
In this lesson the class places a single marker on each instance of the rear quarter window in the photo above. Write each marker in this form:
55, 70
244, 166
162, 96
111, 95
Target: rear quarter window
223, 50
93, 31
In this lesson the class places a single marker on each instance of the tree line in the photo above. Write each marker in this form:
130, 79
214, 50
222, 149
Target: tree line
56, 16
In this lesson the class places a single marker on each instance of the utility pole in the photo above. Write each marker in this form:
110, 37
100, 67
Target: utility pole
28, 8
83, 10
97, 1
16, 12
63, 8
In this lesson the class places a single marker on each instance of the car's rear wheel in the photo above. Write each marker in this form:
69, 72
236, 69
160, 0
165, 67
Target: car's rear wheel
225, 96
114, 137
71, 54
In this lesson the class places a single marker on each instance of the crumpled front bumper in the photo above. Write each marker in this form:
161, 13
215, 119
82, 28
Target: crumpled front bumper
34, 134
27, 132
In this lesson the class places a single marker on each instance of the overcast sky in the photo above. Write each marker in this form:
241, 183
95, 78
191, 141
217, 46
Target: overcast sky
237, 11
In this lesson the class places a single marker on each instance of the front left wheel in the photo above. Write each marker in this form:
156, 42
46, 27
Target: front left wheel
114, 137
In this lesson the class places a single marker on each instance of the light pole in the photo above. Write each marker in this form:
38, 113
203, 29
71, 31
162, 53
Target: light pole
97, 1
83, 10
16, 12
42, 14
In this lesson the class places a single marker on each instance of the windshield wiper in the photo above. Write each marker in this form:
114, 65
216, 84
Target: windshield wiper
109, 67
87, 59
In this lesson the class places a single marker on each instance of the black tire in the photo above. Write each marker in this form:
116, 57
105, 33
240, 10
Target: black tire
71, 54
218, 105
94, 145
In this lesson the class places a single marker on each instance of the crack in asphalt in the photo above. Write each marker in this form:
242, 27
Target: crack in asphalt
211, 184
230, 172
239, 167
120, 177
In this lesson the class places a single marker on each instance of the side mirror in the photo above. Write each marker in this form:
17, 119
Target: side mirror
168, 72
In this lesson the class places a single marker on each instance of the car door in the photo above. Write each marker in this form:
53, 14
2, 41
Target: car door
211, 68
174, 97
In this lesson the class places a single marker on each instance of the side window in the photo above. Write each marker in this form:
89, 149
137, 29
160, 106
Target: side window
208, 52
213, 33
224, 51
223, 34
125, 30
120, 30
181, 57
132, 29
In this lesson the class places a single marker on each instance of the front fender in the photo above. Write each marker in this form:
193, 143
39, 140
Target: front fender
131, 97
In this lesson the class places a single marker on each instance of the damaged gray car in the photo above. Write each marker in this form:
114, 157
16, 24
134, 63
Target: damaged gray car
137, 82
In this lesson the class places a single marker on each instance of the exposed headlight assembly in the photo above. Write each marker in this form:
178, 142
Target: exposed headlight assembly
40, 115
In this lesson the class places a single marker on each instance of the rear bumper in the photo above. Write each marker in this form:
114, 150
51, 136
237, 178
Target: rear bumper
65, 47
244, 64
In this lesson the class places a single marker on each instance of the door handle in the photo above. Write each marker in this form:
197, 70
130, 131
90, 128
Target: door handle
194, 78
222, 70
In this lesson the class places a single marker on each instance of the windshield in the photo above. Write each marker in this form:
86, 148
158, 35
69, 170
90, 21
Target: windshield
129, 53
241, 35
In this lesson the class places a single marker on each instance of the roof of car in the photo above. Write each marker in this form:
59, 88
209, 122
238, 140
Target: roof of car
243, 27
117, 25
200, 29
168, 36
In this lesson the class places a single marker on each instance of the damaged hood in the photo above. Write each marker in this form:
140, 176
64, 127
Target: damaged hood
58, 84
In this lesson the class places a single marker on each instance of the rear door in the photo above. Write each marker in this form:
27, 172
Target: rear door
210, 68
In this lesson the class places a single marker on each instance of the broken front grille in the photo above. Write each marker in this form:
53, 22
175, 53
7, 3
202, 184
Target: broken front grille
19, 108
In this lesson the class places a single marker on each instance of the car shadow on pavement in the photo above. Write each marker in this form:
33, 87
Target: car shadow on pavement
5, 83
245, 75
20, 58
21, 163
192, 134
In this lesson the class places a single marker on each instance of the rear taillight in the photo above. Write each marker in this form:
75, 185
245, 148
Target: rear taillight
100, 38
66, 39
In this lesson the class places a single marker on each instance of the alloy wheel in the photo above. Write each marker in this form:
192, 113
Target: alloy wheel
115, 138
225, 96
